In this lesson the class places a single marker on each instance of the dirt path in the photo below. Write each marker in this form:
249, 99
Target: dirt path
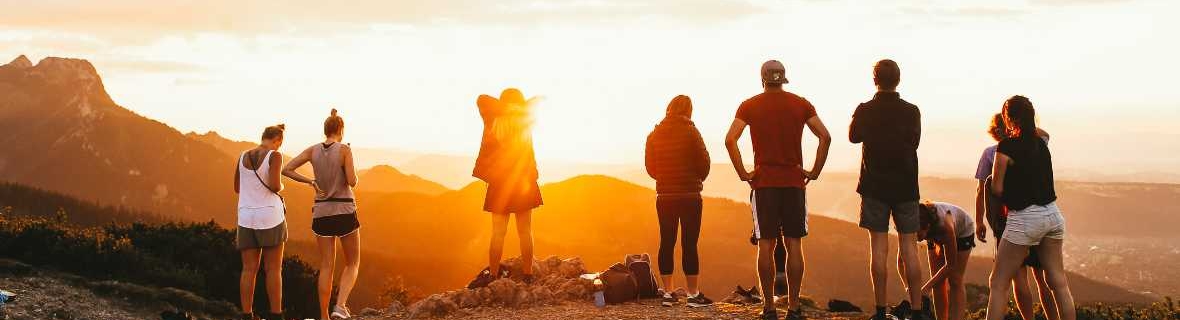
648, 310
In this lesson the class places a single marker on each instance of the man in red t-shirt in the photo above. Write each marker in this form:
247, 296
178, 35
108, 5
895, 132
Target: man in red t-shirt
776, 119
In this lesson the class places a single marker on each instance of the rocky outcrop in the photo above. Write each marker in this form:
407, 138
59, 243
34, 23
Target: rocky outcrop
555, 280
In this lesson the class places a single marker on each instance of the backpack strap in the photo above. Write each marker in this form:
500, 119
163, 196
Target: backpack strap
259, 165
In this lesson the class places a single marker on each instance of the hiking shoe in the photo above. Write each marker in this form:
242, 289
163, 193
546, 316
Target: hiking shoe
794, 315
699, 301
340, 312
668, 300
903, 310
485, 277
771, 314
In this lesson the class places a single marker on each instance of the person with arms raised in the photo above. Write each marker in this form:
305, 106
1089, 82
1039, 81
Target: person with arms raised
889, 130
334, 215
778, 202
262, 222
675, 156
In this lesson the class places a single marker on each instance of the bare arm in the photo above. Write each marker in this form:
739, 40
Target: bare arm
349, 168
298, 161
949, 251
981, 210
274, 182
998, 171
821, 154
731, 145
237, 179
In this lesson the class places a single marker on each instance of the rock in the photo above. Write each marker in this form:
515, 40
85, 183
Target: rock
680, 293
395, 307
743, 296
836, 305
467, 299
543, 295
436, 305
572, 267
503, 291
574, 289
370, 312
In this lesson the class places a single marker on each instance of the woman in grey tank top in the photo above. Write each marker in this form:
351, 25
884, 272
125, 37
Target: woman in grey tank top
334, 213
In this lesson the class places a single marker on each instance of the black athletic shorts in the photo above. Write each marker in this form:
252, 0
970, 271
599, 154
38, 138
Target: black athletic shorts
335, 226
964, 243
779, 211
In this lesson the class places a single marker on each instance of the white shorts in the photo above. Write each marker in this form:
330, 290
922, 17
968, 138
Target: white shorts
1028, 226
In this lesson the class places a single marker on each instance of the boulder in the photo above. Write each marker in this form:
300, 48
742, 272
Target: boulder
836, 305
437, 305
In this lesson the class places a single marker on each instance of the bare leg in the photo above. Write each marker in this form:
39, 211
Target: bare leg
352, 265
1053, 261
524, 230
273, 262
795, 268
1020, 289
766, 272
496, 249
907, 249
667, 281
879, 251
327, 269
692, 282
246, 283
1048, 303
957, 289
1009, 257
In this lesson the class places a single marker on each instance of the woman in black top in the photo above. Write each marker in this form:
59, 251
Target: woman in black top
1023, 179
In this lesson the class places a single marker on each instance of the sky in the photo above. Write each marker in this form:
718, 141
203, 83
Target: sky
405, 74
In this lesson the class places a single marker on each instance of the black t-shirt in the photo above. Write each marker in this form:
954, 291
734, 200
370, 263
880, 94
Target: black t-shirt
1029, 178
889, 130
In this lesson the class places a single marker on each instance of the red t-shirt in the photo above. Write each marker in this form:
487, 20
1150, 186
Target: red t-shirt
776, 121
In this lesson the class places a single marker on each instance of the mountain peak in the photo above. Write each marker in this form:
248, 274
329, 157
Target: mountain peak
20, 62
67, 69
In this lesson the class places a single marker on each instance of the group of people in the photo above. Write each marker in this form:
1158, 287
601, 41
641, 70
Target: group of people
1015, 194
262, 226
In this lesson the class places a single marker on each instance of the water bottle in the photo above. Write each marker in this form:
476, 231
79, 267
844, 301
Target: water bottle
6, 297
599, 295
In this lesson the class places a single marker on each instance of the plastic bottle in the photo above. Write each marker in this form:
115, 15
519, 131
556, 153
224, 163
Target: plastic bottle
599, 295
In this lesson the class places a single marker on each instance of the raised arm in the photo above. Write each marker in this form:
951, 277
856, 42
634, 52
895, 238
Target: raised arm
349, 168
731, 145
821, 153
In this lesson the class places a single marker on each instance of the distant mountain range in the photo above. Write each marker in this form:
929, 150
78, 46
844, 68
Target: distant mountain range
63, 133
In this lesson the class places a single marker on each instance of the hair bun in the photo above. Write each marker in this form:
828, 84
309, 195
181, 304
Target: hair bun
282, 126
333, 112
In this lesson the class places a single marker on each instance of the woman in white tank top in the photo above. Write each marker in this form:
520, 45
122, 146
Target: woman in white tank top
334, 214
949, 232
262, 227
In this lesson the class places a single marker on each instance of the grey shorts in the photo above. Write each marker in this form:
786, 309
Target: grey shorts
1028, 226
261, 238
874, 215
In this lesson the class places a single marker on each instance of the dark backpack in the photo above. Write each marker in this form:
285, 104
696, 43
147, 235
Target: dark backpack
645, 280
618, 284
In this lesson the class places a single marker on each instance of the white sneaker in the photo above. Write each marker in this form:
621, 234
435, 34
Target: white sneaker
340, 312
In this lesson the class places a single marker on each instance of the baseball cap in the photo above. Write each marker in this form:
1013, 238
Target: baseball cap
774, 72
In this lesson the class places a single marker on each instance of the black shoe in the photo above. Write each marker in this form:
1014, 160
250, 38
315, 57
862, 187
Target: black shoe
881, 315
771, 314
795, 315
485, 277
903, 310
923, 314
668, 300
699, 301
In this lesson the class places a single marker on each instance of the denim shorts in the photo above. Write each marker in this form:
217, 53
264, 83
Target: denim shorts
1028, 226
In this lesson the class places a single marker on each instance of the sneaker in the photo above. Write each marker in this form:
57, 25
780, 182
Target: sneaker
699, 301
340, 312
883, 316
903, 310
485, 277
771, 314
795, 315
668, 300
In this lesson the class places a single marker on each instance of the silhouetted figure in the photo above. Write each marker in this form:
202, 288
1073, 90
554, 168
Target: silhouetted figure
262, 223
949, 232
989, 208
675, 156
508, 164
778, 202
1022, 176
889, 130
334, 215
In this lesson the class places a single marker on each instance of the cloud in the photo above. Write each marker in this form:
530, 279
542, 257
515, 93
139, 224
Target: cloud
122, 66
130, 20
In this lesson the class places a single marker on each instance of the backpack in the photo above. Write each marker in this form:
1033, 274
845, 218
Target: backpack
618, 284
640, 267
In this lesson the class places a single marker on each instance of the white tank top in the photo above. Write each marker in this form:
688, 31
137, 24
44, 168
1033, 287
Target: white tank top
964, 222
258, 206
